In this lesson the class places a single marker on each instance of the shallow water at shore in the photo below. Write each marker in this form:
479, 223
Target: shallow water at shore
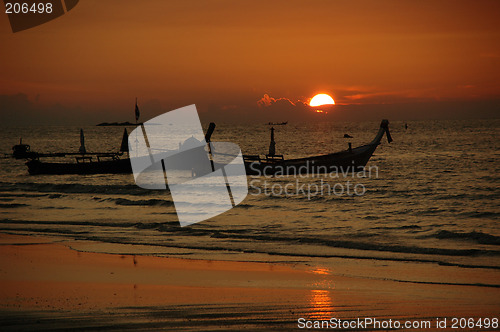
433, 200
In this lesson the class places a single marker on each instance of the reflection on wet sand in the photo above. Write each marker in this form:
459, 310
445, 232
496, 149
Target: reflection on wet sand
320, 299
321, 304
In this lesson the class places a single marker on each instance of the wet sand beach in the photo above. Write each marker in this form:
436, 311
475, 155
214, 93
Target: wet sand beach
250, 165
47, 285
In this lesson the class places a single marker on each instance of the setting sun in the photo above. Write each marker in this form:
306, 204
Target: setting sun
321, 99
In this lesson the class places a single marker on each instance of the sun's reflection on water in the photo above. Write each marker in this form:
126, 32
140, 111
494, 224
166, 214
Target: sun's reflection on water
321, 304
320, 298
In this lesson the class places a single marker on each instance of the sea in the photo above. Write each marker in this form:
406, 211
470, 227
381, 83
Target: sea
428, 208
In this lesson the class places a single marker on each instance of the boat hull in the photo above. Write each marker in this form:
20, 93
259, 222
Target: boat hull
344, 161
119, 166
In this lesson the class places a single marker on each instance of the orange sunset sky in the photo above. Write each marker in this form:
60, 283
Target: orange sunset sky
254, 60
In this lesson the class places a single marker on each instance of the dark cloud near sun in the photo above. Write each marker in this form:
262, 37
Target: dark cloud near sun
283, 109
267, 101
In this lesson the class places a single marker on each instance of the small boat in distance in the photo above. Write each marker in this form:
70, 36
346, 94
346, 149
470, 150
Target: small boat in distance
22, 151
277, 123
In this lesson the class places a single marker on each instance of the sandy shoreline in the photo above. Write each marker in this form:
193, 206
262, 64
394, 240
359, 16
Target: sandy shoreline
44, 284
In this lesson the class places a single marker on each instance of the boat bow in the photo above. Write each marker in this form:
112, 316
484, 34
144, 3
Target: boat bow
384, 129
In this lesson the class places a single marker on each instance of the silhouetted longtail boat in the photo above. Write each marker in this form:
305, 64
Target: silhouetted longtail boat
96, 163
352, 159
85, 162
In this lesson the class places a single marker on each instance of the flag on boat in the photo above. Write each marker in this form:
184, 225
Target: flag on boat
137, 113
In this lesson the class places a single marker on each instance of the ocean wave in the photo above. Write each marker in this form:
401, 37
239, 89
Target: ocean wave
84, 235
22, 195
399, 227
111, 224
371, 217
469, 196
431, 211
341, 243
68, 223
480, 214
409, 227
140, 202
77, 188
55, 208
369, 250
359, 245
12, 205
244, 206
478, 237
442, 283
138, 225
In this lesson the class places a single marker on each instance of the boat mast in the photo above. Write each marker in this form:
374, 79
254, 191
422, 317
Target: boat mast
124, 145
82, 149
137, 114
272, 144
